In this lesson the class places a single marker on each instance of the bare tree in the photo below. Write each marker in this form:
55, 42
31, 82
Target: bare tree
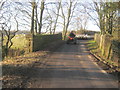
1, 16
36, 19
67, 19
53, 14
6, 26
33, 15
9, 36
1, 4
63, 16
25, 14
106, 15
50, 21
81, 22
41, 15
57, 15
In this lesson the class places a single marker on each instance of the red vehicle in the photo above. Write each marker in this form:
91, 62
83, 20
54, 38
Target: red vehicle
71, 40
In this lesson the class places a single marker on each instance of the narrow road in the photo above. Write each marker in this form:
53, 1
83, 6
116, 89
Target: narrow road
71, 66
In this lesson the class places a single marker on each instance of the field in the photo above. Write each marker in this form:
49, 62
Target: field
19, 42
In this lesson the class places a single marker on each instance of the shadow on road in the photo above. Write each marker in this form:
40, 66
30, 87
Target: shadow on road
62, 65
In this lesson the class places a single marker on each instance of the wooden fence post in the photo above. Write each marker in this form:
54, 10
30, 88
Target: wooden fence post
29, 38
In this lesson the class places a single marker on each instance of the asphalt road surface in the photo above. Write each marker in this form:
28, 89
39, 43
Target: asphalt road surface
71, 66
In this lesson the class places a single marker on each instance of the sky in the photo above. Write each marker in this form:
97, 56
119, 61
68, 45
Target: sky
90, 24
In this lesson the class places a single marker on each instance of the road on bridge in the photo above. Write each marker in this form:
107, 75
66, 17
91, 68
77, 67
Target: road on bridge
71, 66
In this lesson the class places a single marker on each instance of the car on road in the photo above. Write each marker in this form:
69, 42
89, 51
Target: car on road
84, 36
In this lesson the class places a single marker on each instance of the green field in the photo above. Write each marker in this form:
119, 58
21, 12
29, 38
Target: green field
19, 42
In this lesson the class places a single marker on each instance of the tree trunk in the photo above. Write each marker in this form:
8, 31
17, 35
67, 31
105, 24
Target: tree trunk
36, 21
1, 39
32, 19
68, 20
41, 14
1, 42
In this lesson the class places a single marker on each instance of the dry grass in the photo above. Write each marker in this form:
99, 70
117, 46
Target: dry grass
17, 69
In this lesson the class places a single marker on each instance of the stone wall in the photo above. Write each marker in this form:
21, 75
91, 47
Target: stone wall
42, 41
109, 47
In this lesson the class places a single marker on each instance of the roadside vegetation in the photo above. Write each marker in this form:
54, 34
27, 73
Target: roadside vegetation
94, 48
